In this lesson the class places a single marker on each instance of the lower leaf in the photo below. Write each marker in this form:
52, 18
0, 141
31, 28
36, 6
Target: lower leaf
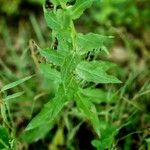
89, 110
49, 112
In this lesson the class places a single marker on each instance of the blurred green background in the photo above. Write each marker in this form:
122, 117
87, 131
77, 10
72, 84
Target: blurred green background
129, 22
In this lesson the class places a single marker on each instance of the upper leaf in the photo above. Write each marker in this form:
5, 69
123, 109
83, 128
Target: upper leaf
51, 20
58, 20
63, 18
95, 72
79, 7
90, 41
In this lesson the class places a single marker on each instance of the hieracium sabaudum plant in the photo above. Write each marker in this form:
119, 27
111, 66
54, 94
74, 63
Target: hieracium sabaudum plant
68, 63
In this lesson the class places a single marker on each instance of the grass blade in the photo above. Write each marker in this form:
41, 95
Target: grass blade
13, 96
13, 84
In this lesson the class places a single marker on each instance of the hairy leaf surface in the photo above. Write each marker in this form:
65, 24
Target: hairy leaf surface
90, 41
89, 111
79, 7
51, 20
95, 72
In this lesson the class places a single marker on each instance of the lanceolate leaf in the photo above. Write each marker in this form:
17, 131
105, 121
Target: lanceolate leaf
95, 72
64, 18
51, 19
100, 65
79, 7
13, 84
57, 21
49, 112
90, 41
89, 111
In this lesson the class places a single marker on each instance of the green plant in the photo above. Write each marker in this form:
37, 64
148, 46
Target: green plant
72, 65
123, 117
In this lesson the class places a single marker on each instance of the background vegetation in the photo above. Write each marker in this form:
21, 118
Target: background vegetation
123, 108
